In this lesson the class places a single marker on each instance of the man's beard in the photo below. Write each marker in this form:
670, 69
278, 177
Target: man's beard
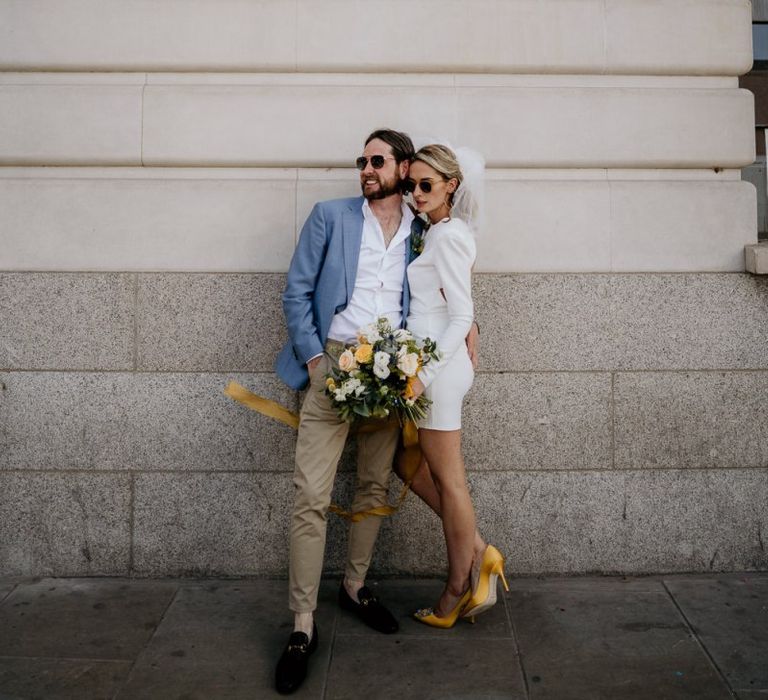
386, 189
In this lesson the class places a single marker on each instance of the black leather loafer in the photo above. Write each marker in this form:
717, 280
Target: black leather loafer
369, 610
292, 667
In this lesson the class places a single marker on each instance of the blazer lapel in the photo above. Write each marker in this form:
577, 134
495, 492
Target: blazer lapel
352, 234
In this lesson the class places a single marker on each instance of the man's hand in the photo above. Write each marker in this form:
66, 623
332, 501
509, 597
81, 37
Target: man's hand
314, 362
473, 344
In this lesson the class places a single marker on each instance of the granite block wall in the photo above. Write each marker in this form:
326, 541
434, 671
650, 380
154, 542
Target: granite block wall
616, 424
153, 180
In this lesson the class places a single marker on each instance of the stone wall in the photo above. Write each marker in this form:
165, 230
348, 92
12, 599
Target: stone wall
156, 162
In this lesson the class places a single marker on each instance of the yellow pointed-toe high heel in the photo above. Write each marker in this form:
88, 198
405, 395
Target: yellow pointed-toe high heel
428, 617
484, 593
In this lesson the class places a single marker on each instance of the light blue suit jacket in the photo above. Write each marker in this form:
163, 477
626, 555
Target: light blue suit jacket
321, 280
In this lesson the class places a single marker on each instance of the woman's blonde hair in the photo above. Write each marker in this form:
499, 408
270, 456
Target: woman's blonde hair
443, 160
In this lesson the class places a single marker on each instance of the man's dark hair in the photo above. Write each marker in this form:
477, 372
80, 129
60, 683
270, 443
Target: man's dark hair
401, 144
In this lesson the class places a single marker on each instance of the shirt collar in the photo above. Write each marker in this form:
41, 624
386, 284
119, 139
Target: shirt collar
408, 216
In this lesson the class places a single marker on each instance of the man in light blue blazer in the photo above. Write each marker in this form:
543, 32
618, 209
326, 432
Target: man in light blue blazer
349, 269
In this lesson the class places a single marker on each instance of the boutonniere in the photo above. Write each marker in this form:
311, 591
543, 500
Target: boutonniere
417, 237
417, 243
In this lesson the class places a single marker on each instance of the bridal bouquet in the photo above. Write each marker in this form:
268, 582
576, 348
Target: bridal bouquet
375, 376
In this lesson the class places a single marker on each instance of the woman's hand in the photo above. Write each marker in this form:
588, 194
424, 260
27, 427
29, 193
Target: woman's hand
473, 343
417, 386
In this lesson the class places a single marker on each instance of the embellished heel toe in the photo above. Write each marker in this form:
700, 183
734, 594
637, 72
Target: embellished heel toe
427, 615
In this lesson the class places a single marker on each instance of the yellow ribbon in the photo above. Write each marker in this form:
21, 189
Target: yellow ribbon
268, 408
410, 458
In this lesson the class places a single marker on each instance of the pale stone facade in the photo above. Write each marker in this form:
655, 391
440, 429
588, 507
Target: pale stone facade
617, 422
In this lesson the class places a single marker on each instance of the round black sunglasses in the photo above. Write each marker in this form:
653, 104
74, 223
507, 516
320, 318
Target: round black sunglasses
424, 185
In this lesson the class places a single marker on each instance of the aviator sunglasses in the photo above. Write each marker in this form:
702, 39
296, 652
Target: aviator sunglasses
377, 162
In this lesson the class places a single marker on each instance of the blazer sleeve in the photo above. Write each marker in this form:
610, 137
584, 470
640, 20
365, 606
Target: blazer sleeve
301, 282
454, 256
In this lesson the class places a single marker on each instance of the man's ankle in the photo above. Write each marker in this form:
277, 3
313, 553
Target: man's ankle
352, 586
303, 622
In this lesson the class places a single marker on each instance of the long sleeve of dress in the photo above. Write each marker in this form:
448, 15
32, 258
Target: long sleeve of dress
453, 259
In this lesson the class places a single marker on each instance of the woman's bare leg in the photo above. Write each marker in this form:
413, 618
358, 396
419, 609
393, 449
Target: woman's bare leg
442, 450
424, 487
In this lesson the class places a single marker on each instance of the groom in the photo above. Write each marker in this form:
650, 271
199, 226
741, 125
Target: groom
348, 269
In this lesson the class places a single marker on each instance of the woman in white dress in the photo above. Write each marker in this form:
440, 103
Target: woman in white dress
441, 308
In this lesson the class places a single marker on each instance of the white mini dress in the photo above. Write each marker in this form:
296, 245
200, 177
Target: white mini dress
445, 317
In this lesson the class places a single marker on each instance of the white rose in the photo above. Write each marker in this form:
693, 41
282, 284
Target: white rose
370, 333
401, 335
347, 361
408, 364
381, 364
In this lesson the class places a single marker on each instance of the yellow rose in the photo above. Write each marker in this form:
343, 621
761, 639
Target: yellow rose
364, 353
330, 384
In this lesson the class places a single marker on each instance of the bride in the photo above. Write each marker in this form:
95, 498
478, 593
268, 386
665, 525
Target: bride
441, 308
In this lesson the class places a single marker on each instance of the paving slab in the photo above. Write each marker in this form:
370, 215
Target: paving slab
729, 614
222, 639
586, 584
606, 641
82, 618
595, 638
399, 666
403, 597
5, 589
60, 679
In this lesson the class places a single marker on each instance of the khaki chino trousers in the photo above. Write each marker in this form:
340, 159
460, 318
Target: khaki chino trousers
319, 446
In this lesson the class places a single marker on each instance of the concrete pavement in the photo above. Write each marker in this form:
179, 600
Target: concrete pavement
586, 638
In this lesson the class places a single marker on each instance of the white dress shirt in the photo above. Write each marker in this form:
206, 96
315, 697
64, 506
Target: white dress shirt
379, 283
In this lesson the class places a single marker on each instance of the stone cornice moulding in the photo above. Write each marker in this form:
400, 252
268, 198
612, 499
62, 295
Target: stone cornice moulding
409, 80
270, 120
705, 37
350, 174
